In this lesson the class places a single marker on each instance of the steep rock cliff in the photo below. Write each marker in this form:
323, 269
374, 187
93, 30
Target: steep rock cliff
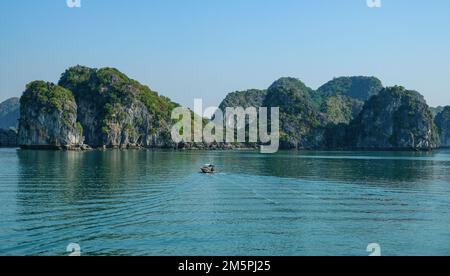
394, 119
343, 98
48, 118
116, 111
302, 125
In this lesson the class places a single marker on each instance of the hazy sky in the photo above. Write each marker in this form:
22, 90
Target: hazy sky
188, 49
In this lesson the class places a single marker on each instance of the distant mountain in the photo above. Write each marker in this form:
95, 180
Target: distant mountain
9, 113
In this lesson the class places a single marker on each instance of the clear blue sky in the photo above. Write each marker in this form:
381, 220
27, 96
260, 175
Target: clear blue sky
206, 48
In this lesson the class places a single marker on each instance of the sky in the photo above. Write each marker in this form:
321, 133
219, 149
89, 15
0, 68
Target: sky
187, 49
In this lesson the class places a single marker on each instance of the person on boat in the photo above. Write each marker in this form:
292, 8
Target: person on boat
208, 168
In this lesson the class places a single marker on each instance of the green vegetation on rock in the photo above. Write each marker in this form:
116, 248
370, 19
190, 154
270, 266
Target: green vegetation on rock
48, 117
360, 87
106, 108
47, 96
300, 118
347, 112
249, 98
117, 111
396, 118
344, 97
341, 109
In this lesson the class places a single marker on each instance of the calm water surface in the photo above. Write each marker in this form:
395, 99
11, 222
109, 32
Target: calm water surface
156, 203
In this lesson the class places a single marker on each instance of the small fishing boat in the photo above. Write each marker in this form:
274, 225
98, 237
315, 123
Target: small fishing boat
208, 168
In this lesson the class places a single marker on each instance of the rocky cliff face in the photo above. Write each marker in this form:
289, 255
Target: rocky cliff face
96, 108
359, 87
104, 108
310, 119
346, 113
116, 111
48, 118
342, 99
394, 119
341, 109
8, 138
443, 124
301, 123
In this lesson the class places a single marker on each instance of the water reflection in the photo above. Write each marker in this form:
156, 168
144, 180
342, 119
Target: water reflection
157, 202
395, 169
73, 176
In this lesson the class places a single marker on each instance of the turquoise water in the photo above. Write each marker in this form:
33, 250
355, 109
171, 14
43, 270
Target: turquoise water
156, 203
